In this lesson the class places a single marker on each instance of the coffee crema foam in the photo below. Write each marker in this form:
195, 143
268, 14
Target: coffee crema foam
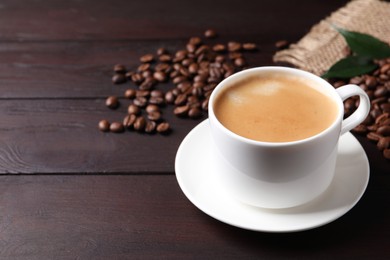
274, 108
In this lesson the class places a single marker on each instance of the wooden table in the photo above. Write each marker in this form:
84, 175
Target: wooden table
69, 191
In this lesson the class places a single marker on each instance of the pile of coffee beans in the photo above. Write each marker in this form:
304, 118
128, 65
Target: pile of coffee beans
376, 127
194, 71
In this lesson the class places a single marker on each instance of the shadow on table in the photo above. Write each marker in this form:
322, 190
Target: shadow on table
367, 225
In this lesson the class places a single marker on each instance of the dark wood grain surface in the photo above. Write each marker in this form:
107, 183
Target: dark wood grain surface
68, 191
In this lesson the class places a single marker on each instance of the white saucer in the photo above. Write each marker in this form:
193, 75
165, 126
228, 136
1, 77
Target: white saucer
197, 181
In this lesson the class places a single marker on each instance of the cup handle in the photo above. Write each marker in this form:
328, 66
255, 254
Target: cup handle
361, 112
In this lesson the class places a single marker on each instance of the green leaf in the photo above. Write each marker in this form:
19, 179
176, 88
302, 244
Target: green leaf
350, 66
364, 44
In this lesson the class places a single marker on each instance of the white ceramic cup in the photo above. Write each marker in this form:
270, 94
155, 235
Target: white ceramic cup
287, 174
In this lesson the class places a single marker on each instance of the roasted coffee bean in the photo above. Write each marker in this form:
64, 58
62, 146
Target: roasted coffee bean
380, 119
143, 67
360, 129
147, 74
133, 109
384, 130
140, 101
213, 80
154, 116
177, 66
381, 92
195, 41
156, 100
356, 80
228, 66
202, 49
142, 93
180, 55
363, 86
161, 51
205, 105
357, 102
175, 92
139, 124
386, 153
219, 47
147, 58
192, 99
118, 78
116, 127
152, 108
162, 67
282, 44
112, 102
119, 68
156, 93
180, 99
184, 86
239, 62
368, 121
104, 125
181, 111
160, 76
198, 84
190, 48
249, 46
129, 74
235, 55
198, 92
194, 112
203, 73
228, 73
179, 79
186, 63
349, 104
129, 120
210, 33
383, 77
372, 128
150, 127
385, 68
386, 122
220, 59
383, 143
163, 128
207, 94
165, 58
148, 84
200, 78
374, 136
209, 87
130, 93
371, 81
375, 113
193, 68
385, 107
169, 97
137, 78
370, 94
185, 72
215, 72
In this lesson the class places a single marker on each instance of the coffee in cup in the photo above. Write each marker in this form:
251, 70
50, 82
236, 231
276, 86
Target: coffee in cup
275, 108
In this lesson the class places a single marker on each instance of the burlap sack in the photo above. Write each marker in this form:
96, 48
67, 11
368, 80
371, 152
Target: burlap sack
323, 45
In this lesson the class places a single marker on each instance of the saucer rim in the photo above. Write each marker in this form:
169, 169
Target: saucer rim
225, 219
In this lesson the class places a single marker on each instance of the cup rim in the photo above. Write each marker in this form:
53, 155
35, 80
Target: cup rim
331, 90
